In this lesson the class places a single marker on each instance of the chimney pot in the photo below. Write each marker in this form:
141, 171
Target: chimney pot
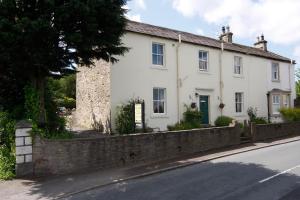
223, 29
261, 43
228, 29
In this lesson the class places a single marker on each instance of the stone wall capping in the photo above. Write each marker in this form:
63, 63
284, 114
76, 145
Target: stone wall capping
23, 124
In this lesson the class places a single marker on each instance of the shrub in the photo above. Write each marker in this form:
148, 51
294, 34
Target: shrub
290, 114
191, 120
252, 113
7, 163
223, 121
183, 126
125, 119
260, 120
192, 116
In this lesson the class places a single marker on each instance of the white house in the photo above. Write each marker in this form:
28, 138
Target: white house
169, 69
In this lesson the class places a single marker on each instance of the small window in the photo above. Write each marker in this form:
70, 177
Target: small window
237, 65
275, 71
157, 54
159, 100
275, 104
203, 60
239, 102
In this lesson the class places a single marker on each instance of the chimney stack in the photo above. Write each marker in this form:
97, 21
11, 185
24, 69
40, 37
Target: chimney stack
261, 43
226, 35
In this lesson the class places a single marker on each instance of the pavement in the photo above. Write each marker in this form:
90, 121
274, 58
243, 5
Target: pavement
88, 185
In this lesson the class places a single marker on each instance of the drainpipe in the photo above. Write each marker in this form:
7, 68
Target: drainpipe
177, 78
221, 75
268, 104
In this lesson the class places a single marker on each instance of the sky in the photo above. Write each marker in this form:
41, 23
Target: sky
278, 20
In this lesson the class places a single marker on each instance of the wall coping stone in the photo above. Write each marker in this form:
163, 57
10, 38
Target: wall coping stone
23, 124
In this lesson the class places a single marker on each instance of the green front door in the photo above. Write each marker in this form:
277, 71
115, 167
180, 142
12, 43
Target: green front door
204, 109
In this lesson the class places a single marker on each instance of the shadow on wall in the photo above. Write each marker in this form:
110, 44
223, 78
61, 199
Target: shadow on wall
223, 180
99, 126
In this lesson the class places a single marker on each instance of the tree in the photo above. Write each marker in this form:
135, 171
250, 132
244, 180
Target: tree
42, 38
297, 76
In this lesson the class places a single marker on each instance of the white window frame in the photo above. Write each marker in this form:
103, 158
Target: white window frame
277, 71
157, 54
203, 60
276, 103
159, 100
239, 101
238, 65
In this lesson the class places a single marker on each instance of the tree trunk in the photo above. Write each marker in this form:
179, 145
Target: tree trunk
38, 83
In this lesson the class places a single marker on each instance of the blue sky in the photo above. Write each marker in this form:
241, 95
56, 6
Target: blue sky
278, 20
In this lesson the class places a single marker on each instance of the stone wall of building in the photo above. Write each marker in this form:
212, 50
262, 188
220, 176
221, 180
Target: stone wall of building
273, 131
68, 156
93, 97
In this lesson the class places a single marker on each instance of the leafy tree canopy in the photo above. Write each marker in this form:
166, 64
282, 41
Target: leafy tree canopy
42, 37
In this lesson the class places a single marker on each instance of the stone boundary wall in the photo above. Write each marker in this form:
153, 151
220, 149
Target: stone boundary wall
272, 131
68, 156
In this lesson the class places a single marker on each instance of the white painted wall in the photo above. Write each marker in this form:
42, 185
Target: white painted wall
135, 76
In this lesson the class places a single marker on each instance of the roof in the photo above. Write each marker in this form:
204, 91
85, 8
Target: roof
171, 34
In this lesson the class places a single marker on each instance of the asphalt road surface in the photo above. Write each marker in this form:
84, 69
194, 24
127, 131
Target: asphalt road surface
269, 173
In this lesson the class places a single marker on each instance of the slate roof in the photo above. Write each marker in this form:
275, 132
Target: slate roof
167, 33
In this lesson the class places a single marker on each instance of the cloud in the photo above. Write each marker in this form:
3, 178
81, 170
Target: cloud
277, 19
140, 4
136, 17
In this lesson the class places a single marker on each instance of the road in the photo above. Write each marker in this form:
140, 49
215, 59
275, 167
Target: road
269, 173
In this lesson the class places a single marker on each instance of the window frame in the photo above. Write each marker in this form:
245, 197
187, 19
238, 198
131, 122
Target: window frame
277, 71
276, 103
202, 60
241, 102
157, 54
240, 65
159, 101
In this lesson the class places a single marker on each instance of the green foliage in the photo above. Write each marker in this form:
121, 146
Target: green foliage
191, 120
7, 131
125, 119
31, 104
192, 116
183, 126
63, 87
260, 120
67, 102
7, 146
297, 76
252, 113
41, 39
223, 121
290, 114
7, 163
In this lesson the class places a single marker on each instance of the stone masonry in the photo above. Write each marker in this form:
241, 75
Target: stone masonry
93, 97
77, 155
23, 140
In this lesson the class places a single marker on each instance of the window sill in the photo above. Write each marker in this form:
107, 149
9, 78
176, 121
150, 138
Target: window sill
204, 72
159, 116
276, 81
238, 76
159, 67
240, 115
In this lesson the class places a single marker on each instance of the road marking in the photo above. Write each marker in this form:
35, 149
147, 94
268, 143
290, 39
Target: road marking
284, 172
